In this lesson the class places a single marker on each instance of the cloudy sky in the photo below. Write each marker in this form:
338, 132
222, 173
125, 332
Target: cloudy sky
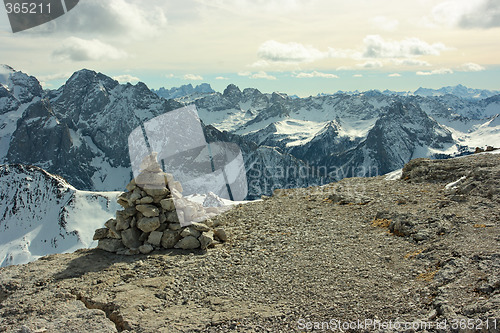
301, 47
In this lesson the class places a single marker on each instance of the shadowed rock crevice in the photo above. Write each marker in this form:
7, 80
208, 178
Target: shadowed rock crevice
111, 311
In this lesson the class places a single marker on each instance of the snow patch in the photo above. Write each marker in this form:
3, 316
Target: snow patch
454, 184
394, 175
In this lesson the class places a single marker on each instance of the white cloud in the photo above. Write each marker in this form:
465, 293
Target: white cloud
371, 64
169, 76
193, 77
292, 52
394, 75
357, 75
78, 49
410, 62
262, 75
471, 67
258, 75
221, 78
110, 18
384, 23
58, 76
436, 72
377, 47
126, 78
316, 74
467, 14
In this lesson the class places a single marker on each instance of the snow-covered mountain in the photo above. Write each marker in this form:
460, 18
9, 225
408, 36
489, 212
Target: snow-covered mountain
42, 214
183, 91
80, 131
365, 131
458, 91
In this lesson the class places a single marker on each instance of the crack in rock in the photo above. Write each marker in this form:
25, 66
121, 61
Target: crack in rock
111, 311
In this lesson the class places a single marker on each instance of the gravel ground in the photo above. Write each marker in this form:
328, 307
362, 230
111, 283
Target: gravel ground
332, 258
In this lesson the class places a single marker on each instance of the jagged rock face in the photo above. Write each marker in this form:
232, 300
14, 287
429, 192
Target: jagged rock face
25, 88
232, 93
81, 130
40, 136
326, 142
8, 102
396, 138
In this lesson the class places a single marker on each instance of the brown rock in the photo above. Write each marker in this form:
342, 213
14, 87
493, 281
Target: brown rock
112, 232
122, 221
144, 200
168, 204
150, 178
206, 239
190, 231
156, 192
200, 226
100, 234
220, 233
146, 248
148, 210
130, 238
131, 186
169, 239
148, 224
110, 245
188, 243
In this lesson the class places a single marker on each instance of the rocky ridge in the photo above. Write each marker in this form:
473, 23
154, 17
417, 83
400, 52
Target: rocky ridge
421, 250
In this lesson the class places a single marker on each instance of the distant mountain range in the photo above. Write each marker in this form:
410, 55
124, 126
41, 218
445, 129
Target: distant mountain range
458, 91
182, 91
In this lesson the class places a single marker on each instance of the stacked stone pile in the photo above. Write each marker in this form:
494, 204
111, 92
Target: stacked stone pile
155, 215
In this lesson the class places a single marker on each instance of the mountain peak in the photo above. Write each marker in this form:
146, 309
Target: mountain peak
231, 88
232, 92
84, 79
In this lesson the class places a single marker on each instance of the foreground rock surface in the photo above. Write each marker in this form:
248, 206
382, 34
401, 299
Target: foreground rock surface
411, 250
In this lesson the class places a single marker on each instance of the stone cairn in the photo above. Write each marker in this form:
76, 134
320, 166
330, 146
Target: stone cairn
155, 215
